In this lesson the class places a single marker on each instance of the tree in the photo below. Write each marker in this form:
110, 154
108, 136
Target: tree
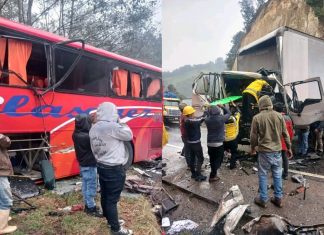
231, 55
122, 26
318, 7
247, 11
260, 3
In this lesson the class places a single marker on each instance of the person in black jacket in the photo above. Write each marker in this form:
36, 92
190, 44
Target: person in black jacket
87, 162
215, 123
192, 128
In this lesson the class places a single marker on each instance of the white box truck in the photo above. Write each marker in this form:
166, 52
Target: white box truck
298, 61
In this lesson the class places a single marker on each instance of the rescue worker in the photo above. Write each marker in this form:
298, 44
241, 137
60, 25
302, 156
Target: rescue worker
267, 129
231, 134
215, 123
251, 97
5, 190
192, 128
185, 150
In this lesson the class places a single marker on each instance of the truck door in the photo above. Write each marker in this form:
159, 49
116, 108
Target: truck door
206, 88
307, 102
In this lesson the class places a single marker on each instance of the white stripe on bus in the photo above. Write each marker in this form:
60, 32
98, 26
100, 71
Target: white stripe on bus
93, 111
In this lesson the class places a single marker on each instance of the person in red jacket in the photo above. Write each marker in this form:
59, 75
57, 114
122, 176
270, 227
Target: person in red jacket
279, 107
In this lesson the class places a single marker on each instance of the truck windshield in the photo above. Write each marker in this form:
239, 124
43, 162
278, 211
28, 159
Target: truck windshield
171, 103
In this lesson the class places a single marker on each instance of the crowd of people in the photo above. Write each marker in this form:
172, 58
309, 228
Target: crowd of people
271, 134
99, 145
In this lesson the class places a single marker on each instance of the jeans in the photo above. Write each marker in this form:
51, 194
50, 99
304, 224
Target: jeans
89, 185
196, 158
216, 156
5, 193
270, 161
302, 141
232, 146
112, 180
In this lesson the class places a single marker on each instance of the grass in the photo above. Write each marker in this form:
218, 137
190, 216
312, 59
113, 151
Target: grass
135, 211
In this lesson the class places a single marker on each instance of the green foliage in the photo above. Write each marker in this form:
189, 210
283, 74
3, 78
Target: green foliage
231, 55
181, 79
318, 7
247, 11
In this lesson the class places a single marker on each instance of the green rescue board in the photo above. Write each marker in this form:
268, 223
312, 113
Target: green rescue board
226, 100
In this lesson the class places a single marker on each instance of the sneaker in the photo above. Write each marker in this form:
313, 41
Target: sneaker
260, 202
93, 211
285, 177
213, 179
232, 166
276, 201
122, 231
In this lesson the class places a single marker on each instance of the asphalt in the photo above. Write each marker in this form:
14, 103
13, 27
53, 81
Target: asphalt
297, 210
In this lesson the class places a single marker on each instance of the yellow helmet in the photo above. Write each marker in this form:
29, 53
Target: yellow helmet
188, 110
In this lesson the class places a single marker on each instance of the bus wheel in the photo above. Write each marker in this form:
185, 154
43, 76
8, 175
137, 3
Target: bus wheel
130, 154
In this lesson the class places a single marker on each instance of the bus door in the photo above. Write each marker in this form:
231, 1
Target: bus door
306, 105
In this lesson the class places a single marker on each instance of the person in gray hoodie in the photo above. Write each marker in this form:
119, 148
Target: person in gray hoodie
107, 137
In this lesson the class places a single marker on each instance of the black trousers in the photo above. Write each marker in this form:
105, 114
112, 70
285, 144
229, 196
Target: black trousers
285, 163
196, 157
186, 151
247, 112
216, 155
112, 180
232, 146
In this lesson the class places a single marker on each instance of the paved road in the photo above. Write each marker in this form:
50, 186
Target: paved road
297, 210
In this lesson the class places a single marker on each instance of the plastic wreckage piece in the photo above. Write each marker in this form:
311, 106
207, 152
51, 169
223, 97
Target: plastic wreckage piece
226, 206
298, 178
233, 218
182, 225
274, 224
267, 224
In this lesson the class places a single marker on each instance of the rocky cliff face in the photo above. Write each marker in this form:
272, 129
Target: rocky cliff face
295, 14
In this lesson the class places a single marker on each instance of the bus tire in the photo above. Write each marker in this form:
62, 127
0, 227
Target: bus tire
130, 154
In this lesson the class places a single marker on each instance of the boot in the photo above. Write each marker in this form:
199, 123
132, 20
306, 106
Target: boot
199, 176
276, 201
4, 228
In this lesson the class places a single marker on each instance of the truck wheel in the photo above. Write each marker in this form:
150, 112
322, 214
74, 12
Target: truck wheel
130, 154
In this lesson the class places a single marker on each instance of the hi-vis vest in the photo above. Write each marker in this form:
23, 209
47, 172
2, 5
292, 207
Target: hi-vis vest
232, 128
255, 87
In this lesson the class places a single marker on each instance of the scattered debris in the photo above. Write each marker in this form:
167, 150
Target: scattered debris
226, 206
166, 222
267, 224
182, 225
138, 187
255, 169
245, 171
233, 218
168, 203
141, 172
297, 178
23, 186
274, 224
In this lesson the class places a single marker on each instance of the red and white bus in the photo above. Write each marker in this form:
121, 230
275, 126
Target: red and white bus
46, 80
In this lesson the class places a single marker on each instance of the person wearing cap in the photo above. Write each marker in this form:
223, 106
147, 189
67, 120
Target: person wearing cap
267, 128
185, 150
192, 128
251, 96
215, 123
